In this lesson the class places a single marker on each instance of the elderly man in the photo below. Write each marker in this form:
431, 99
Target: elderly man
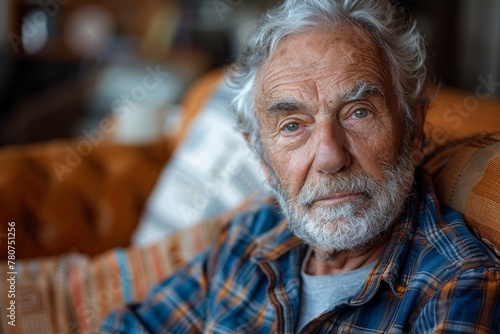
331, 97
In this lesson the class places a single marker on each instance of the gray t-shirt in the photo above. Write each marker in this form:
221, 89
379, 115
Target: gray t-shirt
321, 292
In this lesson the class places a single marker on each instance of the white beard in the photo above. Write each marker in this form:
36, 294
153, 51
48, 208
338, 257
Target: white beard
351, 225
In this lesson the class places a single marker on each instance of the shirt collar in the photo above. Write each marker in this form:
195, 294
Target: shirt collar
275, 243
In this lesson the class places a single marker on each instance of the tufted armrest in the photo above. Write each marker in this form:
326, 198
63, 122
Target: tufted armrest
463, 157
466, 175
64, 198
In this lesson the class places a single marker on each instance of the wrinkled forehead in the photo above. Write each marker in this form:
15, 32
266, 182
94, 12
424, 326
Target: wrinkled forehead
324, 55
328, 42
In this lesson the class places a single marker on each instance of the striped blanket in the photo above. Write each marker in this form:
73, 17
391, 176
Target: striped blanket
73, 293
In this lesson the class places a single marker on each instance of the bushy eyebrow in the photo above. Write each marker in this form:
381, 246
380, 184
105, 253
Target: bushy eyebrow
362, 91
284, 105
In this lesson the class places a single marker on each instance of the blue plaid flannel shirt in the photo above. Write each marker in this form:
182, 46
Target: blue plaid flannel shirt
434, 277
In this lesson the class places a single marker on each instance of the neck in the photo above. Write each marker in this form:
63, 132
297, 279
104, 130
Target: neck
322, 262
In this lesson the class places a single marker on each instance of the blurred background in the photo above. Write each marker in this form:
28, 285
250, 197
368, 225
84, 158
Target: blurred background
66, 64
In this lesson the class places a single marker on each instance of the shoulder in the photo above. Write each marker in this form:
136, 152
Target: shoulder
241, 233
456, 274
449, 240
257, 218
444, 247
466, 303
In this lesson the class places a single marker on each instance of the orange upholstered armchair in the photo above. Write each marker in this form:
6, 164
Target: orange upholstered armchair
97, 207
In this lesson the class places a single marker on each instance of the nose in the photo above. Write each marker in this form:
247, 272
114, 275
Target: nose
332, 154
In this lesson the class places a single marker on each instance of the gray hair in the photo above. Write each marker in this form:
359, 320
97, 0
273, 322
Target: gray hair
396, 34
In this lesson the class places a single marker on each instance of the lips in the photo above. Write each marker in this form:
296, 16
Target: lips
338, 189
338, 198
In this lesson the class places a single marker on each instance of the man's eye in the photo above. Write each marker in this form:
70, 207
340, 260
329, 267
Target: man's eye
291, 127
361, 113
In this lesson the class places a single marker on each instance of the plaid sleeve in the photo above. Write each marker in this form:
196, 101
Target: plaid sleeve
468, 304
177, 305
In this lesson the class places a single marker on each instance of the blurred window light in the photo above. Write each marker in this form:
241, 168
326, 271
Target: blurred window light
34, 31
88, 30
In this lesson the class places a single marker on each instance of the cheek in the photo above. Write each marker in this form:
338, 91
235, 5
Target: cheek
375, 149
290, 166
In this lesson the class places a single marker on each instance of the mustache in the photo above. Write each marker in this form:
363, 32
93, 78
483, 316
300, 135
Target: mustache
339, 183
